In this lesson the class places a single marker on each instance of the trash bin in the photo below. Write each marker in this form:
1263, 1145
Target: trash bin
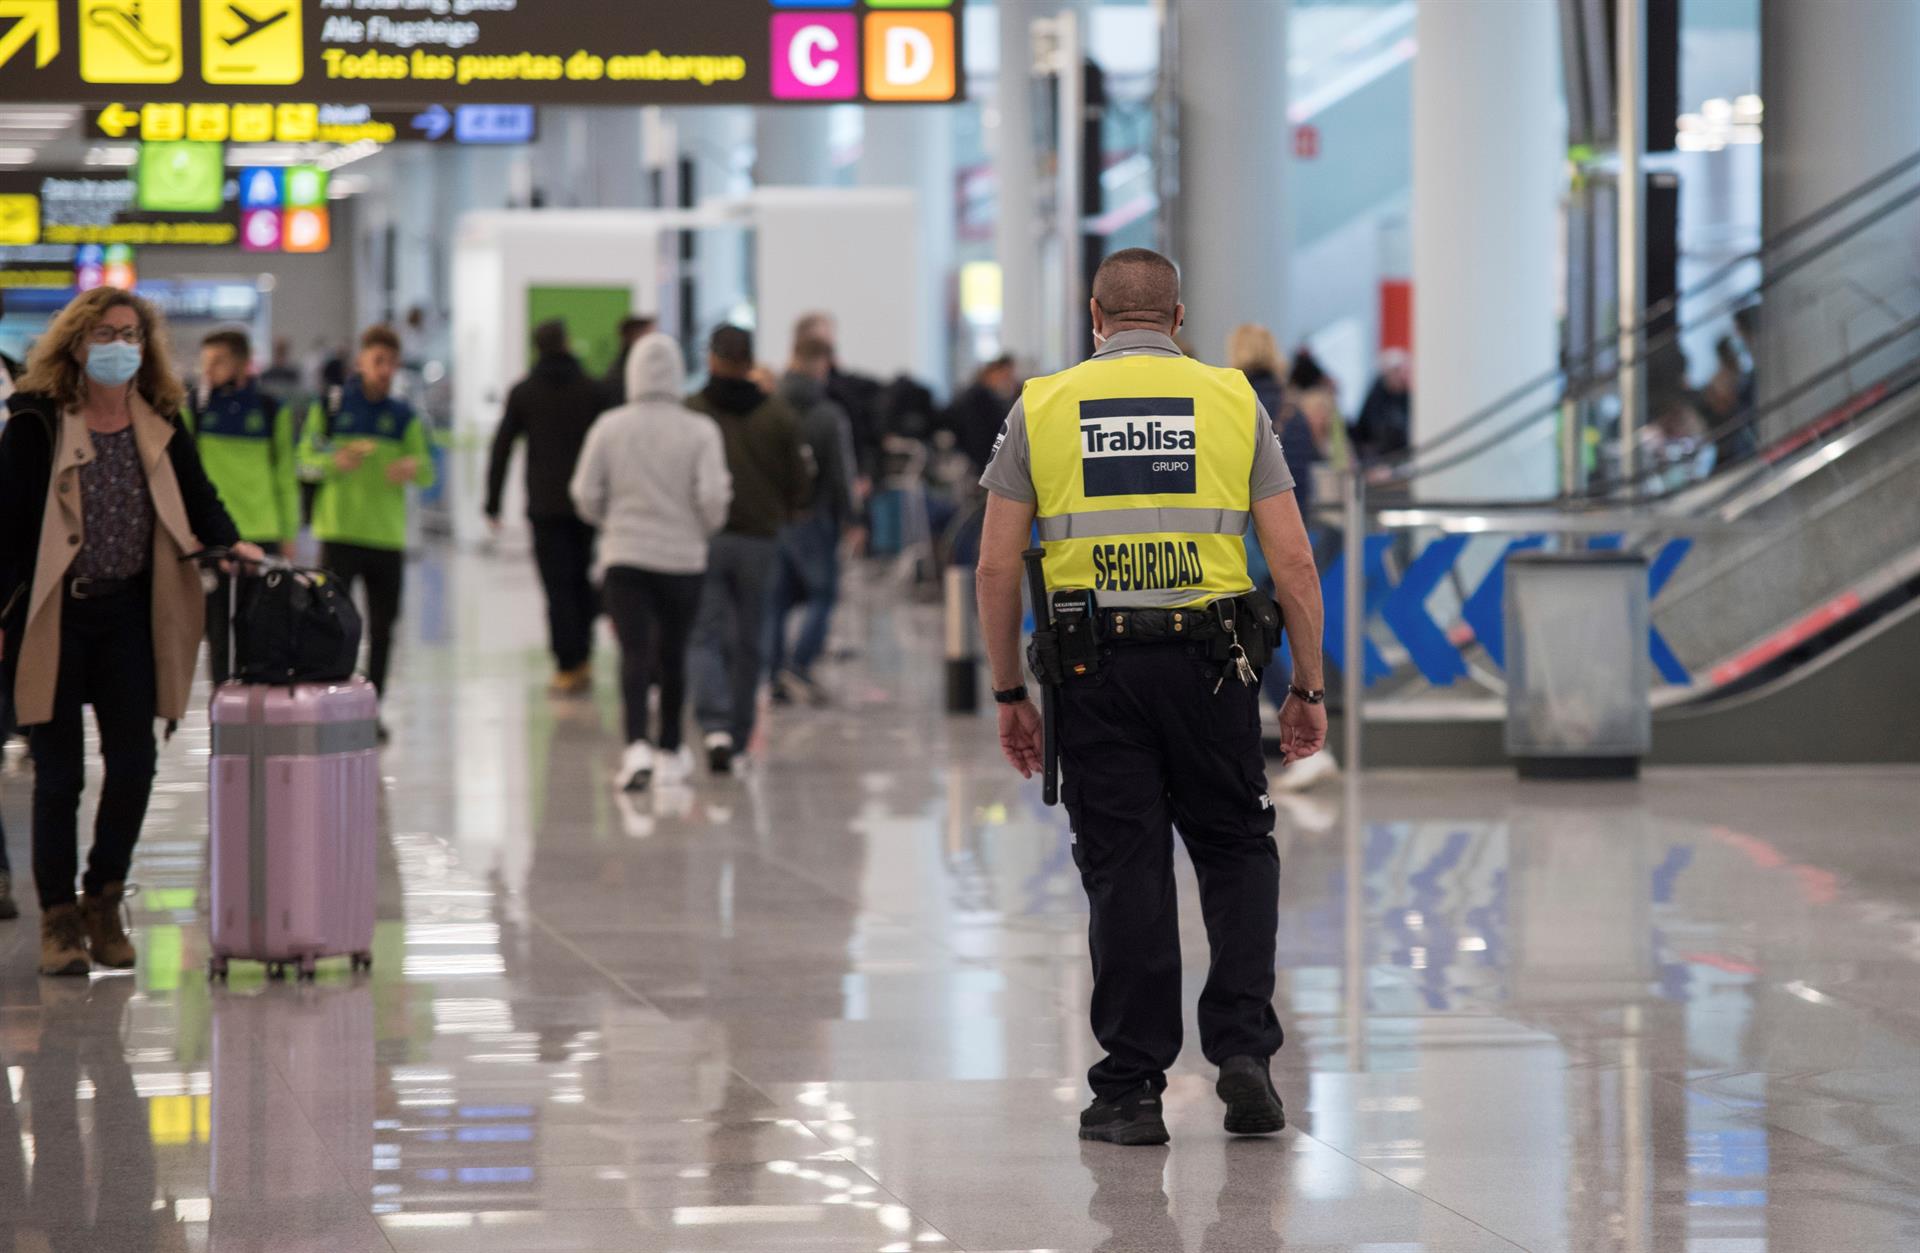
1579, 675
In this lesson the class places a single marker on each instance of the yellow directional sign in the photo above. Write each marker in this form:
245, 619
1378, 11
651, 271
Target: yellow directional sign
19, 219
116, 120
38, 23
131, 41
251, 41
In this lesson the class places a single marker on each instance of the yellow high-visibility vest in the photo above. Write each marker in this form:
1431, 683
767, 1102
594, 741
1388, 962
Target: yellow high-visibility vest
1142, 468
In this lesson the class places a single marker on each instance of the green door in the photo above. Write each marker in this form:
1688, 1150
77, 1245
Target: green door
592, 315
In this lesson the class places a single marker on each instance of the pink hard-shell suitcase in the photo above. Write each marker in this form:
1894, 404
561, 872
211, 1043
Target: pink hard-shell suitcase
295, 813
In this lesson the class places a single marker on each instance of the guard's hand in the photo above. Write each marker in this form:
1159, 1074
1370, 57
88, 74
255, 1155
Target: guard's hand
1020, 737
1303, 729
402, 470
348, 459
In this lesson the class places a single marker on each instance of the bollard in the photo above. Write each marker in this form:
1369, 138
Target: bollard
963, 667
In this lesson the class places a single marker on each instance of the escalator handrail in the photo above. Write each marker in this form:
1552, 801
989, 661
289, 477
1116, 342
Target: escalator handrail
1589, 386
1602, 497
1603, 345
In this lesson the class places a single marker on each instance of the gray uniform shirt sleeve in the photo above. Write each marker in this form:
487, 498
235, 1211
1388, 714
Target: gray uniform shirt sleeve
1270, 473
1010, 470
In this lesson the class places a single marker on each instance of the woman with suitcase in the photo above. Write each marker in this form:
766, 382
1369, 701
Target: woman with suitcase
102, 496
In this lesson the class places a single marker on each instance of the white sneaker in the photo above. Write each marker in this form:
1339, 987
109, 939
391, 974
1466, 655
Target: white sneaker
636, 767
1308, 773
719, 752
673, 767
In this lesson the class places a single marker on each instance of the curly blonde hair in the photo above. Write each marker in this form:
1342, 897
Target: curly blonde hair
54, 367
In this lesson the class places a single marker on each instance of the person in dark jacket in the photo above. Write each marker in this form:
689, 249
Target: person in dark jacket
807, 572
1385, 424
978, 413
771, 485
102, 497
633, 328
552, 409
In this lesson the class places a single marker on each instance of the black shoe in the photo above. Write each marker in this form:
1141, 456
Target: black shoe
719, 752
1253, 1107
1132, 1119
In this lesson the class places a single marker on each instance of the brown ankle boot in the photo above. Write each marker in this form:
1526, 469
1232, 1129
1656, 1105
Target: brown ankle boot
106, 935
63, 942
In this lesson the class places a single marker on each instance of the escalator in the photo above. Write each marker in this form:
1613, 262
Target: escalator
1787, 614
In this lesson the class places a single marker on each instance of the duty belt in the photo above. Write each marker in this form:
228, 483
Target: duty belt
1159, 626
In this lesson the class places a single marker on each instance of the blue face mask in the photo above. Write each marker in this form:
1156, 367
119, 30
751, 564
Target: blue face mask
112, 365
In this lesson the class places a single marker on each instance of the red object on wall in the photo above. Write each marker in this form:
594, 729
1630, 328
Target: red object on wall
1396, 313
1306, 141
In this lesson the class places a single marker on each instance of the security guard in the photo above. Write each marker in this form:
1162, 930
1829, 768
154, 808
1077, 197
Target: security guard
1141, 468
246, 441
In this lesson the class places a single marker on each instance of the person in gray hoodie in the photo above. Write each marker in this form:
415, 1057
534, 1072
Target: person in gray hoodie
653, 478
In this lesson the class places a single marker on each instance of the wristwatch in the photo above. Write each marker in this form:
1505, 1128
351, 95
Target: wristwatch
1310, 696
1011, 696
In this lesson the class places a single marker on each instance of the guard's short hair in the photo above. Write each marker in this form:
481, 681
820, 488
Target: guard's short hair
733, 345
232, 340
1137, 285
812, 351
550, 338
380, 335
635, 327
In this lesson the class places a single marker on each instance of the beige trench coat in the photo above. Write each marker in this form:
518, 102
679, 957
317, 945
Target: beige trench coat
179, 603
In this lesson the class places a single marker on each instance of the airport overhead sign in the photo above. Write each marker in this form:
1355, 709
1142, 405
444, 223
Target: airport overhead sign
83, 207
299, 122
445, 53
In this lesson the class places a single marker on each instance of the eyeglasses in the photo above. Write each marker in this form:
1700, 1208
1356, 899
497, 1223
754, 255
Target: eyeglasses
108, 334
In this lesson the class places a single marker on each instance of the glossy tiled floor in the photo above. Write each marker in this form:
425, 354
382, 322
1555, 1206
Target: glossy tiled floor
838, 1006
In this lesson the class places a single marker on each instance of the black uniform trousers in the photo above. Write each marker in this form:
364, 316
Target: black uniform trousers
1147, 745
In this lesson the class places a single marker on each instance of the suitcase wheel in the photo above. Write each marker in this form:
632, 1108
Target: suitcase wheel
276, 970
217, 969
307, 971
362, 961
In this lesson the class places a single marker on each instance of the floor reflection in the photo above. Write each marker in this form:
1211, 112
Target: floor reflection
839, 1005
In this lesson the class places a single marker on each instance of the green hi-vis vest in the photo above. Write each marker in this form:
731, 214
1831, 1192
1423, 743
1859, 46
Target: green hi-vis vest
1142, 468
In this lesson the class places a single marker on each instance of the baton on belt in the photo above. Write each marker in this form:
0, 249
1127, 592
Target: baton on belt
1049, 712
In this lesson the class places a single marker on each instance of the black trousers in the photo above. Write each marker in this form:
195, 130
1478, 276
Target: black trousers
384, 572
220, 624
563, 549
653, 615
106, 660
1147, 745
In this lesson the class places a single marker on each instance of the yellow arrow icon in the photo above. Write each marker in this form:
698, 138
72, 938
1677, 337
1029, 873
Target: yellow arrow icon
116, 120
36, 20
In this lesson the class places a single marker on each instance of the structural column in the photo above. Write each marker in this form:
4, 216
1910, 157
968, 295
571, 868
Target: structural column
793, 146
912, 146
1017, 225
1234, 231
1488, 172
1842, 104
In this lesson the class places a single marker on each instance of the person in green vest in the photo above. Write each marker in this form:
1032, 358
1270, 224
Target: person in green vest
246, 442
368, 446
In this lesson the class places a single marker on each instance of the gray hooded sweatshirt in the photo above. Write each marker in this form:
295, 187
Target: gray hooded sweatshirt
653, 475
